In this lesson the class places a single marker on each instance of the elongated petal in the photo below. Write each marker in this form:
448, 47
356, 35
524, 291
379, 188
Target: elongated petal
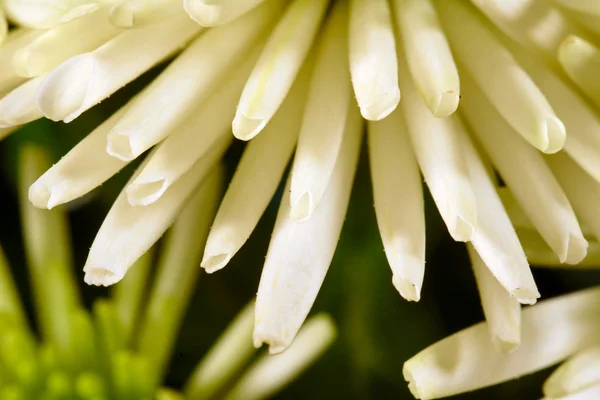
428, 55
510, 90
465, 361
527, 175
278, 65
16, 39
325, 116
581, 59
580, 119
19, 107
589, 393
373, 60
85, 80
270, 373
502, 312
44, 14
436, 144
537, 24
184, 86
582, 190
225, 359
398, 203
80, 171
495, 239
256, 180
137, 13
213, 13
3, 26
128, 232
300, 252
56, 45
590, 7
577, 373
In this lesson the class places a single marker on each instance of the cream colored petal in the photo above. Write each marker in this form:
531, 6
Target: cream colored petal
591, 7
80, 171
373, 60
428, 55
582, 190
269, 374
504, 82
257, 177
85, 80
537, 24
300, 252
188, 142
136, 13
128, 232
56, 45
285, 52
590, 393
581, 120
467, 360
45, 14
495, 239
527, 176
399, 206
540, 255
16, 39
326, 113
213, 13
187, 82
3, 26
502, 312
19, 107
581, 59
576, 374
438, 150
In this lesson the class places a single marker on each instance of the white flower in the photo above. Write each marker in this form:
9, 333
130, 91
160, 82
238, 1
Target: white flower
306, 73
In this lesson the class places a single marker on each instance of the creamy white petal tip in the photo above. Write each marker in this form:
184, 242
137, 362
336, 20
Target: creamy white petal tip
100, 276
245, 128
407, 288
216, 262
302, 208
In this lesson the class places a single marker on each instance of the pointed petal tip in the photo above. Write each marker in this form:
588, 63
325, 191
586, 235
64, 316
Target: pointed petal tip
407, 289
302, 208
382, 107
445, 104
146, 193
100, 276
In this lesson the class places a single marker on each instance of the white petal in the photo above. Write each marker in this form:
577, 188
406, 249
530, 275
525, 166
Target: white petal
80, 171
136, 13
300, 252
277, 67
438, 150
212, 13
399, 206
537, 24
128, 232
19, 106
256, 180
187, 82
187, 143
495, 239
527, 176
503, 81
373, 60
44, 14
502, 312
428, 55
56, 45
85, 80
326, 113
581, 59
577, 373
551, 331
16, 39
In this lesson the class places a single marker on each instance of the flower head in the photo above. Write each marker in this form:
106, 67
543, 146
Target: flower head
452, 89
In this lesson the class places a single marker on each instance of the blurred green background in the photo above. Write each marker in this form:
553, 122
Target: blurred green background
377, 329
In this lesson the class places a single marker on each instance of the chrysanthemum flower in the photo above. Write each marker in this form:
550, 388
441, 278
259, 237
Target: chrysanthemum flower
452, 89
121, 349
